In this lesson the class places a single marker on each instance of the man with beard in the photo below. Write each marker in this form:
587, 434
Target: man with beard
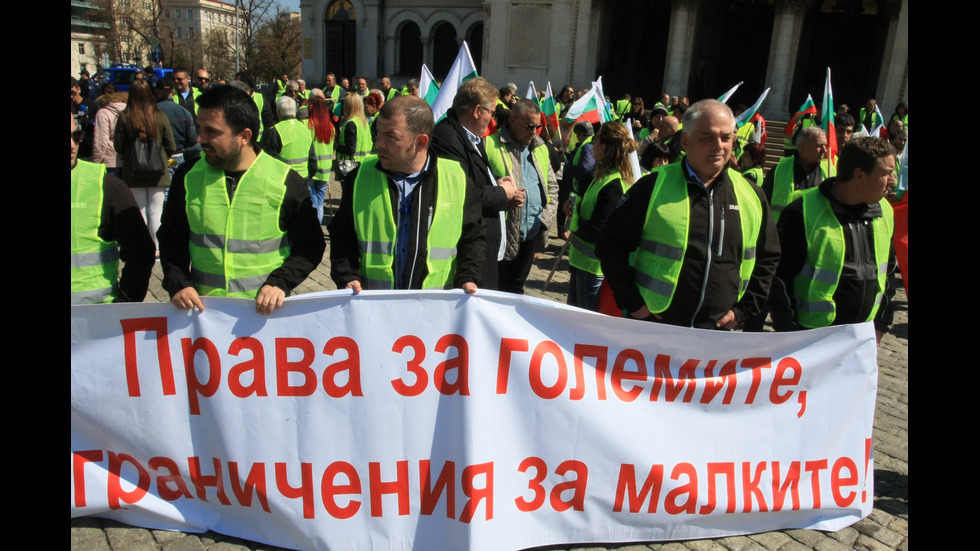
407, 219
239, 222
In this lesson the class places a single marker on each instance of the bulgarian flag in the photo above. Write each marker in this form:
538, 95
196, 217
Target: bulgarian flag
591, 107
724, 97
808, 108
827, 120
549, 108
428, 89
760, 129
463, 69
747, 115
876, 129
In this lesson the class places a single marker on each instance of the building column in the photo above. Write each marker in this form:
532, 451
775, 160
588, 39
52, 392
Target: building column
313, 62
680, 46
786, 29
389, 61
893, 84
426, 51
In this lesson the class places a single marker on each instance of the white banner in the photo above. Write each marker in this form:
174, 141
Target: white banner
438, 420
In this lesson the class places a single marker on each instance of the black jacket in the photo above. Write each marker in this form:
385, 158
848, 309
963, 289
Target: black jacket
709, 280
297, 218
858, 287
450, 141
345, 256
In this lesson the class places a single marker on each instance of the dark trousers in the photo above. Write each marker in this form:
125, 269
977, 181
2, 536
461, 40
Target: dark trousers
513, 273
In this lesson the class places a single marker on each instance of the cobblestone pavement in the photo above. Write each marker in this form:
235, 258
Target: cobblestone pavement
886, 528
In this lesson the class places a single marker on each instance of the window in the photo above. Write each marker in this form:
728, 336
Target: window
190, 14
146, 6
81, 48
190, 32
166, 13
180, 32
177, 14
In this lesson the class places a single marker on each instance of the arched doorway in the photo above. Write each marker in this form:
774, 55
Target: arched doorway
410, 50
444, 48
340, 42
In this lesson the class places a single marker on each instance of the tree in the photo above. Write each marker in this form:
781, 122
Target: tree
132, 23
254, 14
279, 48
218, 52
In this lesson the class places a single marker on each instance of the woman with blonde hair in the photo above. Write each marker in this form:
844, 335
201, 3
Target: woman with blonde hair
321, 126
143, 129
354, 141
613, 175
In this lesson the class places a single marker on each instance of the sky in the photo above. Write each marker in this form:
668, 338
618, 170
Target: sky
290, 5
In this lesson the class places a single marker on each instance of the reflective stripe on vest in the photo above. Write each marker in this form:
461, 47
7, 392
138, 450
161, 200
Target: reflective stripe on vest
660, 255
784, 189
296, 141
581, 253
94, 262
817, 282
364, 142
324, 159
375, 225
234, 247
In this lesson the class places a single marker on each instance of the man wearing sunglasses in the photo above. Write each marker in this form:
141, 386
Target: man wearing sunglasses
517, 151
203, 80
106, 226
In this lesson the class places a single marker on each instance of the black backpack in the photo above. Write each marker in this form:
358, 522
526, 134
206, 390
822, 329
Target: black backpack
145, 158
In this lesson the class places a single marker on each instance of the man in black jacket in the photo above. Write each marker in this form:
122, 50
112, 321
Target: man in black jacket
837, 240
459, 137
703, 244
407, 220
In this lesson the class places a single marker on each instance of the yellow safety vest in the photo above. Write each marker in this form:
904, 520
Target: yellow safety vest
296, 143
364, 142
94, 262
816, 283
236, 244
663, 243
784, 189
581, 253
376, 228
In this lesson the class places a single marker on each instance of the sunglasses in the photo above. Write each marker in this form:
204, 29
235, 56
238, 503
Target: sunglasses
77, 136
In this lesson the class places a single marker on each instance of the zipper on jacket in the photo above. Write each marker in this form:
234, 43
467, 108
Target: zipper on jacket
707, 262
418, 228
859, 241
